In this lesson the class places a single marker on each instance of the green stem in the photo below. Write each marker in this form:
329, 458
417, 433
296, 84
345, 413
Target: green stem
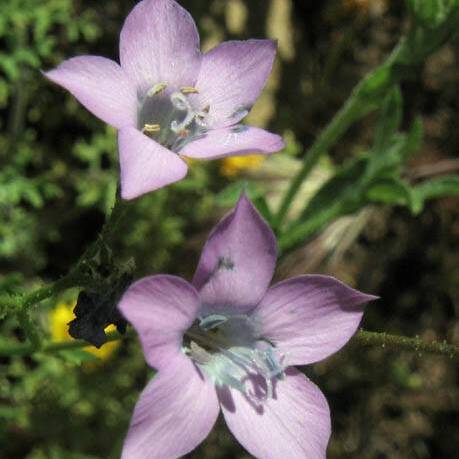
7, 349
74, 278
328, 137
24, 302
363, 99
362, 337
387, 341
79, 276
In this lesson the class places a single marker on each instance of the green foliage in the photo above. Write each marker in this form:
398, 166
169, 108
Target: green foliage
431, 13
229, 196
375, 177
439, 187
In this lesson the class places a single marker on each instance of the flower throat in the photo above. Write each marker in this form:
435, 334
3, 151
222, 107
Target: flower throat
169, 117
227, 350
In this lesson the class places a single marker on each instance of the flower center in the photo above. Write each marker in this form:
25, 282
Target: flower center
229, 352
170, 118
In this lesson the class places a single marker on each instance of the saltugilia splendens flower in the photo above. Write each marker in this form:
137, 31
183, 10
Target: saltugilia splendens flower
167, 99
229, 341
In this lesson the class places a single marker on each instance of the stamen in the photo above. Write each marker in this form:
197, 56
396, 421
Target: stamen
212, 321
206, 109
189, 90
180, 122
180, 102
156, 89
227, 349
199, 118
151, 128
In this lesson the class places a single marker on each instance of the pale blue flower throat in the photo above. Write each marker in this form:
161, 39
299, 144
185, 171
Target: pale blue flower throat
227, 349
170, 118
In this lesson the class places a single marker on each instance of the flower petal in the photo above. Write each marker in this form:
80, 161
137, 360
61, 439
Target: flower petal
237, 262
237, 140
175, 412
231, 78
101, 85
310, 317
145, 164
159, 43
295, 423
161, 308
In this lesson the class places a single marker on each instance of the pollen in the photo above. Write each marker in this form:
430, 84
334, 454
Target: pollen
151, 128
189, 90
156, 89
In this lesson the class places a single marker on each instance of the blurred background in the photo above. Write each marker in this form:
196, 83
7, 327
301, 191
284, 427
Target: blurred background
58, 172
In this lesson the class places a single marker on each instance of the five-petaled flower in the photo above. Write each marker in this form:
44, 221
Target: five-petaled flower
228, 341
167, 99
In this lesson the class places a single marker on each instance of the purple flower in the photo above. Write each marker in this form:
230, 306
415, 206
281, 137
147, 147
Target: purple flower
228, 341
168, 99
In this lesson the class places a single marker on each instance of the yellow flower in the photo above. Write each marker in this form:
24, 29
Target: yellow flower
59, 318
234, 165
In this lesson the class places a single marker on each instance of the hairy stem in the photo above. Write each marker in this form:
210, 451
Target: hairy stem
14, 349
24, 302
387, 341
79, 276
362, 337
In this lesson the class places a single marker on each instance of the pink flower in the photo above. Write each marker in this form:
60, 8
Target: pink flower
168, 99
229, 342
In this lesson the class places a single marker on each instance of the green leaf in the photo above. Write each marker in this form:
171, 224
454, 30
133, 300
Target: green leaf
262, 205
342, 187
77, 356
376, 82
389, 120
439, 187
387, 162
430, 13
435, 22
229, 196
413, 140
390, 191
340, 195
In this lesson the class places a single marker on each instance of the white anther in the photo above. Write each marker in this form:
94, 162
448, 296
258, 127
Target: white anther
156, 89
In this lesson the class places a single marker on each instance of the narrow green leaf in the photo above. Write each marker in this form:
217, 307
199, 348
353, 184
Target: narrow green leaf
340, 195
343, 186
430, 13
413, 139
390, 191
77, 356
230, 194
389, 120
439, 187
263, 207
